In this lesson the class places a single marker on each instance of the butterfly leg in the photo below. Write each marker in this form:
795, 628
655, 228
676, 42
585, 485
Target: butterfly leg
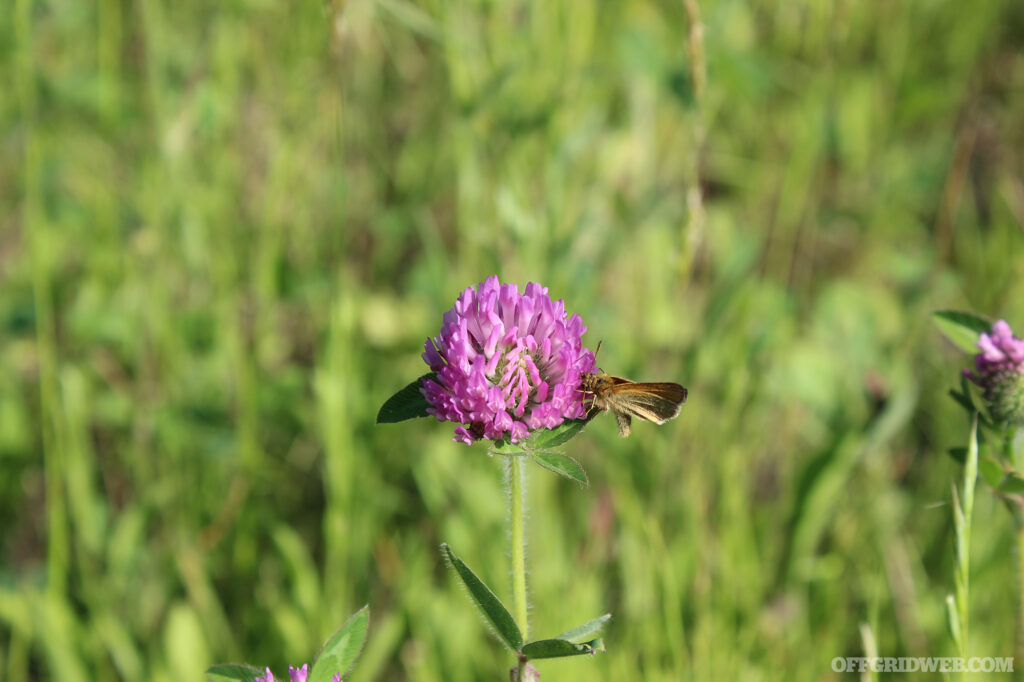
624, 421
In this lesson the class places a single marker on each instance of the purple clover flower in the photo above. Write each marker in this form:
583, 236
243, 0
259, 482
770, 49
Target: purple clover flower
507, 363
296, 675
1000, 373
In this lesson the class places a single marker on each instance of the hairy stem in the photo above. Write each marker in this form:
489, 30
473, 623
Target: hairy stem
517, 513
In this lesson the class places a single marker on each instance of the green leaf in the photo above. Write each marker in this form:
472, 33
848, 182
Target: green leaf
991, 471
1013, 483
591, 627
233, 671
408, 403
341, 650
562, 465
560, 648
959, 455
492, 608
965, 401
542, 439
962, 328
504, 447
966, 398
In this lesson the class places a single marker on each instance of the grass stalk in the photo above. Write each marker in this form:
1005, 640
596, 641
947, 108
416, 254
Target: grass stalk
58, 539
963, 510
698, 78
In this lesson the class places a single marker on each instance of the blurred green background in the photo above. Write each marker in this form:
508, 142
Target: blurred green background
226, 229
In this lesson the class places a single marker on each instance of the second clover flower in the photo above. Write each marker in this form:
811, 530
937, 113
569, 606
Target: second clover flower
506, 363
999, 371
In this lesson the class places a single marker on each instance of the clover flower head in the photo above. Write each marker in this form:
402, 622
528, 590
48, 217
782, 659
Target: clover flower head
295, 675
999, 371
506, 363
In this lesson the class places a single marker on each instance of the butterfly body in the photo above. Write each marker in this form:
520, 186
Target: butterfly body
655, 402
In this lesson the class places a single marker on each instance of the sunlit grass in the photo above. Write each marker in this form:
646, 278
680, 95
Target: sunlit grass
227, 230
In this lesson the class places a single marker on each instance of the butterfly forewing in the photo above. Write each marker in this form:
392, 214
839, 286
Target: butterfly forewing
656, 402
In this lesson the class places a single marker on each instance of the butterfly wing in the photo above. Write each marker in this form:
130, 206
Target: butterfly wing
655, 402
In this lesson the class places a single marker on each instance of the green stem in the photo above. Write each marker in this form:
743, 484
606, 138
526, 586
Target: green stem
1019, 528
516, 473
520, 669
963, 513
1012, 455
1011, 451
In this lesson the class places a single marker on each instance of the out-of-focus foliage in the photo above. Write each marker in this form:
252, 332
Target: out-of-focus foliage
226, 229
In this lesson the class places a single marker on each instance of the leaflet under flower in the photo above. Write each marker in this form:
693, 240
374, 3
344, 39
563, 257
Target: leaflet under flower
1000, 373
507, 363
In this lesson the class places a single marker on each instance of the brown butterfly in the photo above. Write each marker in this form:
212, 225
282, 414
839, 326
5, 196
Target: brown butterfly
656, 402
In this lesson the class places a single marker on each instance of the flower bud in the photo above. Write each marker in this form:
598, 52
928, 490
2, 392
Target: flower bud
999, 371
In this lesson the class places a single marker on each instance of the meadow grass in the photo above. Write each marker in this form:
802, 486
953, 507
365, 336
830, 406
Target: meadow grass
227, 228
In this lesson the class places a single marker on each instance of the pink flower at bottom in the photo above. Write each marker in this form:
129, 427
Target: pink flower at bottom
296, 675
